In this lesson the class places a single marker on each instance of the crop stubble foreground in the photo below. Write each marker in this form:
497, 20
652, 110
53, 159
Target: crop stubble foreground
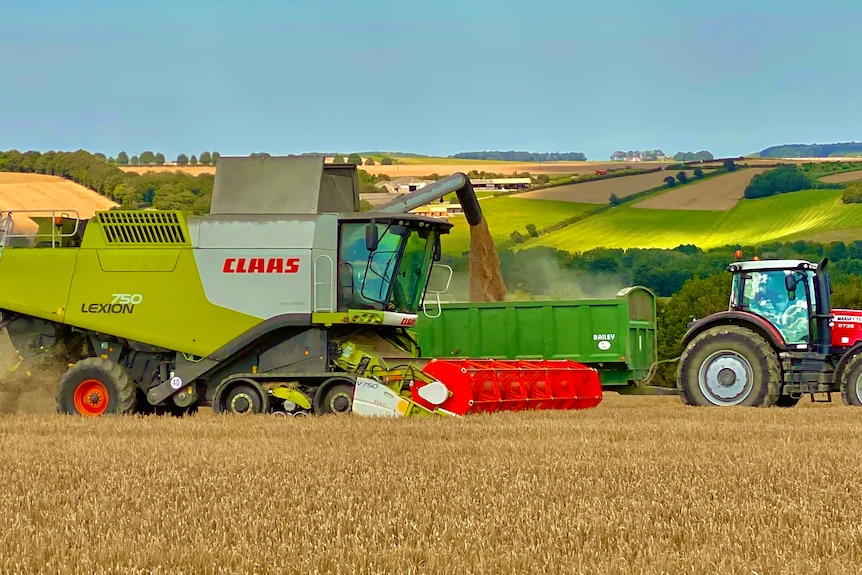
639, 484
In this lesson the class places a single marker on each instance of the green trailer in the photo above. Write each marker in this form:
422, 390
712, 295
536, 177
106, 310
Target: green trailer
615, 336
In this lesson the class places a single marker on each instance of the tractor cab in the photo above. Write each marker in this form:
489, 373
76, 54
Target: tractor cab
792, 295
384, 263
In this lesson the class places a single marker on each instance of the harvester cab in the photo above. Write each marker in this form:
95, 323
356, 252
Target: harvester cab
779, 339
285, 298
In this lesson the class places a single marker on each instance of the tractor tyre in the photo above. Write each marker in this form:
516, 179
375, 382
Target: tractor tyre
729, 365
94, 387
335, 396
851, 381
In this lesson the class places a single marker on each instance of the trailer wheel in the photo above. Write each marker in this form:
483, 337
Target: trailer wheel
729, 365
335, 396
94, 387
851, 381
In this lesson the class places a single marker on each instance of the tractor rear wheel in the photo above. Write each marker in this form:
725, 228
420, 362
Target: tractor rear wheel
729, 365
94, 387
851, 381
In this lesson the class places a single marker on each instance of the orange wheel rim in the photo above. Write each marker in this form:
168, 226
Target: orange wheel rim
91, 398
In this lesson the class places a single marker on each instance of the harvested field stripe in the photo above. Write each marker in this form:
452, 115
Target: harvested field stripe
842, 177
719, 193
599, 192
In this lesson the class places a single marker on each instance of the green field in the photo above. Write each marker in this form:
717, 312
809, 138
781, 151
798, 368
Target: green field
506, 214
813, 214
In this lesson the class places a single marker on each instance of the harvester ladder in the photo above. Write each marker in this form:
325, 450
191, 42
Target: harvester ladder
5, 226
324, 276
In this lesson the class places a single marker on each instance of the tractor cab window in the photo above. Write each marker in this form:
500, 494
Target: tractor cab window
390, 277
766, 294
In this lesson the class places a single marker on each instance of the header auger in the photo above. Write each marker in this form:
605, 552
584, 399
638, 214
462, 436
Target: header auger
284, 299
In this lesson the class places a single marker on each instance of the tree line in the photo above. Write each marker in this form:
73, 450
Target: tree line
520, 156
149, 158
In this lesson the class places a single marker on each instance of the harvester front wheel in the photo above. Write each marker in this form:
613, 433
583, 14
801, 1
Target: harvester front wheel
94, 387
337, 397
851, 381
729, 365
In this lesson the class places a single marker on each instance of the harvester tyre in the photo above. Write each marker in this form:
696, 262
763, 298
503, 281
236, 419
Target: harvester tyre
851, 382
729, 365
241, 396
94, 387
335, 396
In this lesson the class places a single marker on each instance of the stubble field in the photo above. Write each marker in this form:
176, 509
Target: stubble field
599, 191
718, 193
843, 177
40, 192
639, 484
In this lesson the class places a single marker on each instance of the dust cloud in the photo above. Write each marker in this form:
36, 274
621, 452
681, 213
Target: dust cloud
30, 385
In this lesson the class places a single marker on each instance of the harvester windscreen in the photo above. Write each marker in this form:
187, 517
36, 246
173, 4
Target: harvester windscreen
393, 276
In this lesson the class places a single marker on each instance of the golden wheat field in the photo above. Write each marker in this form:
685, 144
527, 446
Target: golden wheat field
636, 485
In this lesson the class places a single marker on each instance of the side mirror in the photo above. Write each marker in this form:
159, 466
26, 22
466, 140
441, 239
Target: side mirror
371, 238
438, 250
790, 282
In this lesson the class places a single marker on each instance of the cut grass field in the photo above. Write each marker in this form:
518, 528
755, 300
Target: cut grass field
599, 192
798, 215
40, 192
717, 193
506, 214
636, 485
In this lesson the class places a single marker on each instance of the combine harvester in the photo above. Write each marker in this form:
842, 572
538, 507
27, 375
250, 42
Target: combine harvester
284, 299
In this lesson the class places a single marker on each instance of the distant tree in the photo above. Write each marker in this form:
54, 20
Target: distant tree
542, 179
338, 159
111, 160
148, 158
386, 161
615, 200
160, 159
531, 229
134, 160
216, 156
670, 181
100, 155
369, 161
354, 158
729, 165
123, 158
682, 177
516, 237
698, 173
193, 160
206, 159
182, 160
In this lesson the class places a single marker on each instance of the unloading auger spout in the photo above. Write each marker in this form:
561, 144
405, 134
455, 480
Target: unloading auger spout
457, 182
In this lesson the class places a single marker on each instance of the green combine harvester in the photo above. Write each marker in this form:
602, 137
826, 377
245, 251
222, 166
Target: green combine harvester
284, 299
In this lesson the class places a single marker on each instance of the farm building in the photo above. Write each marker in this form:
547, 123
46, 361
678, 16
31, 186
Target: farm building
403, 185
438, 210
501, 184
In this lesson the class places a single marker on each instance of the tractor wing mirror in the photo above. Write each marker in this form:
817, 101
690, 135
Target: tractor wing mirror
790, 282
371, 237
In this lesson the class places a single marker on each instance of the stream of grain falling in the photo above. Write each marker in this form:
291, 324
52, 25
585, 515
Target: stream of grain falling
486, 281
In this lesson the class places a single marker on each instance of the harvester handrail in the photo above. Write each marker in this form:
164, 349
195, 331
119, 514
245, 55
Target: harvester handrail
8, 222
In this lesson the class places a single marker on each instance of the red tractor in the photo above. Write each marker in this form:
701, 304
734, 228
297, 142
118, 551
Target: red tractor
779, 339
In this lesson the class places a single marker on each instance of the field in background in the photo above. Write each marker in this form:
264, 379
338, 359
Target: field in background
506, 214
843, 177
639, 484
599, 192
799, 215
716, 193
40, 192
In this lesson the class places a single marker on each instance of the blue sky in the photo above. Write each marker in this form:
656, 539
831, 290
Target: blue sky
433, 77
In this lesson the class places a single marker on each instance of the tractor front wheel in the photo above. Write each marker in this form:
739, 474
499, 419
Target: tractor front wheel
94, 387
851, 381
729, 365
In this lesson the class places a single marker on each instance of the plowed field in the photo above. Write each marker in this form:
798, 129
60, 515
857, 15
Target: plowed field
843, 177
600, 191
718, 193
40, 192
